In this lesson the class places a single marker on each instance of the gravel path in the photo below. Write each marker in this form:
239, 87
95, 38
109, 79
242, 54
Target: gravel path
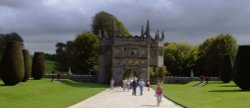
117, 98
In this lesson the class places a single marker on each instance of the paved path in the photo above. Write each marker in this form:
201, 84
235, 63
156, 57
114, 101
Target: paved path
117, 98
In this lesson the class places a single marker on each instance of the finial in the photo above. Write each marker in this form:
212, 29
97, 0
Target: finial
162, 35
142, 30
157, 35
147, 32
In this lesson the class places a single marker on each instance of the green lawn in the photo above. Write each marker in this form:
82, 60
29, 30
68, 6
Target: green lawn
46, 94
214, 95
49, 66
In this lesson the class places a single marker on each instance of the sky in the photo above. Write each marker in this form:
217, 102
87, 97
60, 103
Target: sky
43, 23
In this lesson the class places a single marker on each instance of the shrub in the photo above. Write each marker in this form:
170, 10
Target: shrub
12, 66
38, 66
242, 74
27, 65
226, 69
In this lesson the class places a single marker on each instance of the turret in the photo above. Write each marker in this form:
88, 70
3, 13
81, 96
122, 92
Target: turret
142, 30
162, 35
147, 32
157, 35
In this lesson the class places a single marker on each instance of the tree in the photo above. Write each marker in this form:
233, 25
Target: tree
5, 38
12, 65
162, 73
242, 74
226, 69
38, 66
61, 63
84, 54
104, 21
27, 65
211, 51
179, 59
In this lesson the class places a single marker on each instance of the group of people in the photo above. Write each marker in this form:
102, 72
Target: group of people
128, 84
132, 84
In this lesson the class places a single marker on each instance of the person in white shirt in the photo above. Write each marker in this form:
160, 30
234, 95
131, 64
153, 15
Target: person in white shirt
141, 84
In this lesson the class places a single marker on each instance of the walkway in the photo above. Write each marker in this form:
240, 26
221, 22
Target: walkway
117, 98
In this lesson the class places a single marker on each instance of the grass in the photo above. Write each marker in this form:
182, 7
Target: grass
46, 94
49, 66
214, 95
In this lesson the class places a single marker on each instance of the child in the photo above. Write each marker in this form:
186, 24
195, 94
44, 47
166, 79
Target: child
158, 93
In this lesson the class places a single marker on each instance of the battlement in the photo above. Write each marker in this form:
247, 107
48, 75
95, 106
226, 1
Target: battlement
144, 36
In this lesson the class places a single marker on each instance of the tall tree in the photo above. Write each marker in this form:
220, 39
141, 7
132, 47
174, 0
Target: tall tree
226, 69
61, 63
212, 50
178, 58
84, 54
5, 38
104, 21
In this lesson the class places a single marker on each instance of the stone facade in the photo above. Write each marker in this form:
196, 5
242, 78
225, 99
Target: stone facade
120, 54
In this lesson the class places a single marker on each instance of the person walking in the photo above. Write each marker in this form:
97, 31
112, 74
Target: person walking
128, 84
134, 85
141, 84
112, 82
124, 84
148, 84
158, 93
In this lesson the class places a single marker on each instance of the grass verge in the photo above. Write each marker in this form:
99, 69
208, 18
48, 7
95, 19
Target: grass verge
214, 95
46, 94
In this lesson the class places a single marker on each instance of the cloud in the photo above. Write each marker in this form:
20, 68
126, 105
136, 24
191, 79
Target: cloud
43, 23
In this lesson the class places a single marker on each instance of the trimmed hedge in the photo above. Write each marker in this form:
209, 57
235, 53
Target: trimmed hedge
242, 68
38, 66
226, 69
12, 66
27, 65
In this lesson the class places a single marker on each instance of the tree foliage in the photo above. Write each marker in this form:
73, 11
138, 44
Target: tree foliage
104, 21
80, 54
27, 65
84, 54
226, 69
162, 73
179, 58
5, 38
212, 50
12, 65
38, 66
242, 74
61, 57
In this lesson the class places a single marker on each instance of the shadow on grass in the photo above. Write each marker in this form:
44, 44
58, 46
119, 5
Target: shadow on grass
227, 91
228, 86
215, 82
81, 84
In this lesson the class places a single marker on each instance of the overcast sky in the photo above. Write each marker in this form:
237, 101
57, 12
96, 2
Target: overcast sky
43, 23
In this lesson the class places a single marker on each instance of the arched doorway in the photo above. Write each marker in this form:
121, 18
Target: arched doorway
130, 74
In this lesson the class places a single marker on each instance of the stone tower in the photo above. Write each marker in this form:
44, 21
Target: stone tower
125, 55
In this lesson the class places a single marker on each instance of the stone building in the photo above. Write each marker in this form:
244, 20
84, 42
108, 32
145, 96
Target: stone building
128, 56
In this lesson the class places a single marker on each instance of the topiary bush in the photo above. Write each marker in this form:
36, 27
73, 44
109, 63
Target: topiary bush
27, 65
12, 65
38, 66
226, 69
242, 68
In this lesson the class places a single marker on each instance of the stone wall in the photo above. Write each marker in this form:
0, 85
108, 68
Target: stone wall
168, 80
77, 78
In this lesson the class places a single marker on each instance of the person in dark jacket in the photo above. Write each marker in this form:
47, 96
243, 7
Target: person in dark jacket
134, 85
